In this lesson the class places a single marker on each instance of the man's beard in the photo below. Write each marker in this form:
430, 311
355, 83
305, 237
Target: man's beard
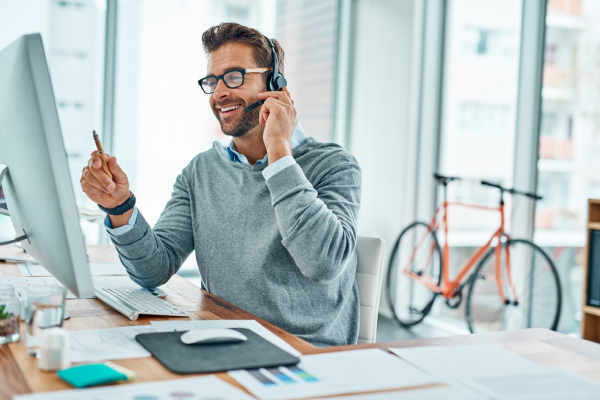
245, 122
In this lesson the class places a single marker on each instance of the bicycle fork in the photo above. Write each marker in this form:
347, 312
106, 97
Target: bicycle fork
509, 277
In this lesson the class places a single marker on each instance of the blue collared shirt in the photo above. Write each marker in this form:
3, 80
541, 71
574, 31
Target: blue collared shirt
297, 138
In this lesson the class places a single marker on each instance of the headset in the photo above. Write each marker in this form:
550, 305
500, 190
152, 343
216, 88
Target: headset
275, 80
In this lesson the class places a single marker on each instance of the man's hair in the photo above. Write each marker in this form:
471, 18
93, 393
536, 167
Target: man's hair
230, 32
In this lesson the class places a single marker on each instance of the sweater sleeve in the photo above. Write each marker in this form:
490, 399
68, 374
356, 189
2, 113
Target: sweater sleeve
318, 223
153, 256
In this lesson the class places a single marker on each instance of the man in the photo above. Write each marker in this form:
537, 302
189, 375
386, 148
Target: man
272, 217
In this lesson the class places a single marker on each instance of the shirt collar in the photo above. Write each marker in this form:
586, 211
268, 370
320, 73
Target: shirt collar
297, 138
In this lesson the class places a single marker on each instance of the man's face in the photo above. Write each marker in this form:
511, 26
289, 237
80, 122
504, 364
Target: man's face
235, 122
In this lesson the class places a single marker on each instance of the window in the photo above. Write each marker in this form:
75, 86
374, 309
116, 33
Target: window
307, 30
481, 69
568, 142
73, 37
484, 117
490, 43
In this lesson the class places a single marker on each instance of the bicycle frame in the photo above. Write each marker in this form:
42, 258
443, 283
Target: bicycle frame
449, 287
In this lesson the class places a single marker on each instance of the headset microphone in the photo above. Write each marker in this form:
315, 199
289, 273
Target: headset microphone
275, 80
254, 105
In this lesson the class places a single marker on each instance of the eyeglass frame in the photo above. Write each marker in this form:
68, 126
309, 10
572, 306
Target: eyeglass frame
243, 71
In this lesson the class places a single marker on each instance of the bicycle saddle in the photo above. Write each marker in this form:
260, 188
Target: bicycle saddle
444, 180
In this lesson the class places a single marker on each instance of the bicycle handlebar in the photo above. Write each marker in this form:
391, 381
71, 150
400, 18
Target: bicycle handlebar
512, 190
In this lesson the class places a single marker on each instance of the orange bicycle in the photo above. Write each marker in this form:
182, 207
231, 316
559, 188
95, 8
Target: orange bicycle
514, 285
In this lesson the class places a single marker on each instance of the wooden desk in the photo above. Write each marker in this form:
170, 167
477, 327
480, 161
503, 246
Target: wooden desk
20, 374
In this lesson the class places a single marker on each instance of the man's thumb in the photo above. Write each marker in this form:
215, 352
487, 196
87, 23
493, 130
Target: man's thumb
118, 175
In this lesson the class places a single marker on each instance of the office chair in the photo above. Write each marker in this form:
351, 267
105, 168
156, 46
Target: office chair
369, 278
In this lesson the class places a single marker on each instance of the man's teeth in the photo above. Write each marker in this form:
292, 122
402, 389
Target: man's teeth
229, 108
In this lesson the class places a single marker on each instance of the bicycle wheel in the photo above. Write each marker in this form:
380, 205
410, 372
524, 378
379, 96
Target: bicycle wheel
536, 284
410, 300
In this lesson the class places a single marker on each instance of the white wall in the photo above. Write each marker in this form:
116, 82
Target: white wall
380, 115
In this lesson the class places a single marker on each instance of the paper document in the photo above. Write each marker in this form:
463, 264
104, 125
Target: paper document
552, 384
34, 269
177, 326
209, 387
441, 393
499, 373
113, 282
21, 284
13, 258
108, 344
333, 373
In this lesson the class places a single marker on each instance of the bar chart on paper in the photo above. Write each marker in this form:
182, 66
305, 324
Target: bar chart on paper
281, 376
332, 373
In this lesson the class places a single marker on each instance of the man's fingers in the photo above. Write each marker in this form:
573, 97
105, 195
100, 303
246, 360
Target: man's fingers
270, 105
95, 160
285, 89
90, 190
101, 176
283, 96
118, 175
92, 181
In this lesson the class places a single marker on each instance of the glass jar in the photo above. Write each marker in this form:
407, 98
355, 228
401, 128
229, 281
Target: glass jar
10, 311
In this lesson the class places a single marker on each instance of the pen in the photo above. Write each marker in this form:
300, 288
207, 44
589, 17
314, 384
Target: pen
99, 147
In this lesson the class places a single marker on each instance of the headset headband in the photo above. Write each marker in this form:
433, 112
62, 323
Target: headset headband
275, 61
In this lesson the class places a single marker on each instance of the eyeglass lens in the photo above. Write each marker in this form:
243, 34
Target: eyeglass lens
232, 79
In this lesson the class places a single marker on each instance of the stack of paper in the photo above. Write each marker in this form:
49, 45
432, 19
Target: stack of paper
498, 373
333, 373
119, 343
209, 387
108, 344
439, 393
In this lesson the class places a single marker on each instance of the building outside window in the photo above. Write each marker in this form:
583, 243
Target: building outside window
569, 142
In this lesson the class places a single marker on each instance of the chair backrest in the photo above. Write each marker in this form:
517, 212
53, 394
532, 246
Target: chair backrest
369, 277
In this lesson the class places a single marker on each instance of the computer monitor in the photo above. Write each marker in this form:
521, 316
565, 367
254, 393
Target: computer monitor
37, 183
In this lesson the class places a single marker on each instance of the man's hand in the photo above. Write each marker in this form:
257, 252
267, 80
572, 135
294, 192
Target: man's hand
279, 116
109, 193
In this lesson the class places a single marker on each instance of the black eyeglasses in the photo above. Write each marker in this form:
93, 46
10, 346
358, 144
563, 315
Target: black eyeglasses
232, 79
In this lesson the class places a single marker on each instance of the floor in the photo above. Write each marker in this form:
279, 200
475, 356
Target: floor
388, 330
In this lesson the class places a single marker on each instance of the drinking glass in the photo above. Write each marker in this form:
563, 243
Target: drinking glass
10, 311
45, 308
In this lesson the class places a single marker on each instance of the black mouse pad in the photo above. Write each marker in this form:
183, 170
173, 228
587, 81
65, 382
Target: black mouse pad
181, 358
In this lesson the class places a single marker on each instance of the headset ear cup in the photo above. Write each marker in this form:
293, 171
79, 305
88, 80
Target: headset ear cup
270, 82
281, 82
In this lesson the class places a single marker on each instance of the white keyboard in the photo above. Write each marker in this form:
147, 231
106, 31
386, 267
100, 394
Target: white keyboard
132, 303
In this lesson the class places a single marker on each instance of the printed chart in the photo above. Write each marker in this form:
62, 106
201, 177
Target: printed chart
281, 375
333, 373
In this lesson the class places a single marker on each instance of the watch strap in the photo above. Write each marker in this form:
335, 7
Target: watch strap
122, 209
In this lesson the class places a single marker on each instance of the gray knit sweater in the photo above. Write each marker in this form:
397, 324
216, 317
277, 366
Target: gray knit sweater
282, 249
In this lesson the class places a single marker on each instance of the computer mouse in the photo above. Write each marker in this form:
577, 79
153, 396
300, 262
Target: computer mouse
206, 336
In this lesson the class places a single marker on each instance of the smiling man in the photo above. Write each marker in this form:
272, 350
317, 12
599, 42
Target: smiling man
272, 216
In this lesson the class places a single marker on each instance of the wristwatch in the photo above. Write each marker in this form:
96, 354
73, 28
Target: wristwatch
122, 209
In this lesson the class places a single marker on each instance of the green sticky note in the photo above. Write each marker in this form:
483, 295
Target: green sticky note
91, 375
